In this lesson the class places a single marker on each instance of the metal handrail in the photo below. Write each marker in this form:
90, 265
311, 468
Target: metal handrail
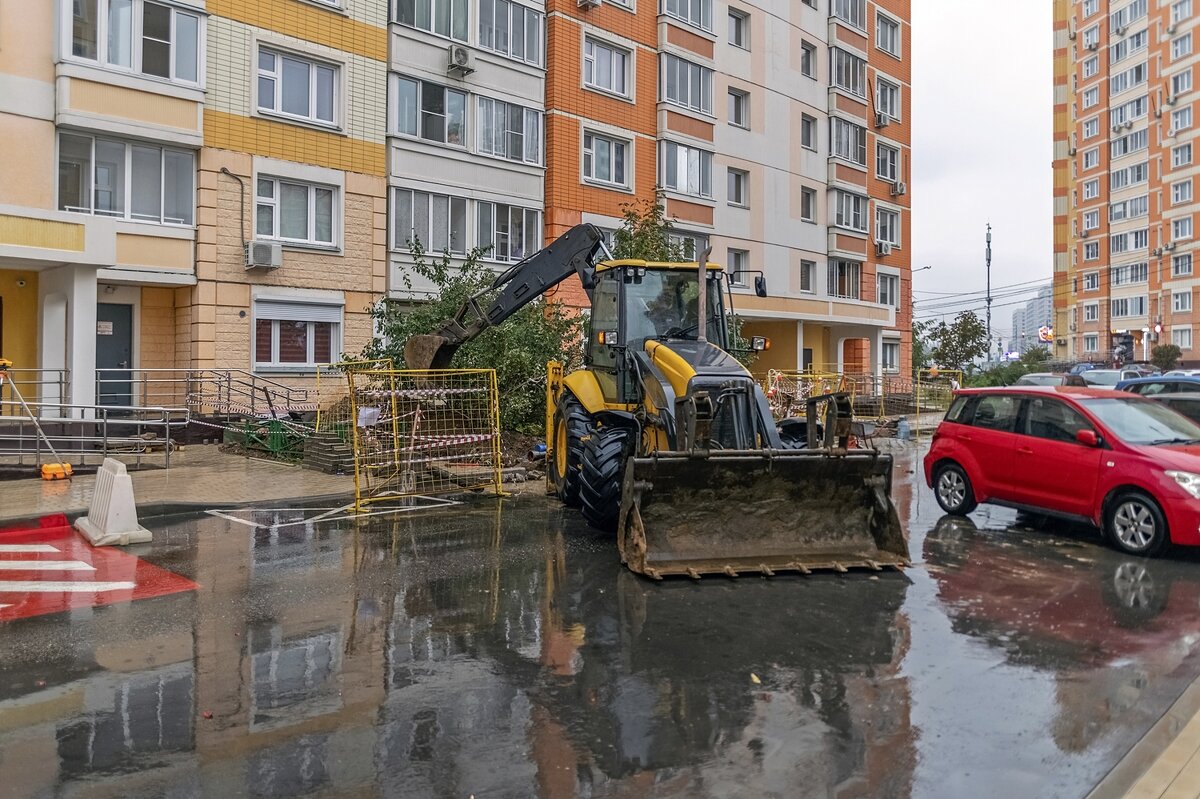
215, 391
39, 385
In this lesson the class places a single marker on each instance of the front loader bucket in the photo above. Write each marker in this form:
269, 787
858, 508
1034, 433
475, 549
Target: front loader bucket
428, 352
732, 512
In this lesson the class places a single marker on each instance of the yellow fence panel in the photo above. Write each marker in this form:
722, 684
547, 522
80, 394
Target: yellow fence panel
423, 432
333, 394
935, 389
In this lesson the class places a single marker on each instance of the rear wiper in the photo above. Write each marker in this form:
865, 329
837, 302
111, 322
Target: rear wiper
1159, 441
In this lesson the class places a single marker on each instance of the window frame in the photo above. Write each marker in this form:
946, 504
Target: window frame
855, 69
741, 179
428, 245
704, 158
126, 179
1181, 307
892, 90
419, 112
808, 274
668, 8
739, 20
855, 141
275, 201
1178, 263
311, 362
808, 125
685, 70
137, 40
893, 161
887, 289
626, 162
852, 209
889, 346
490, 44
277, 77
395, 16
1177, 338
526, 114
808, 195
893, 227
734, 254
899, 34
1091, 312
626, 61
808, 59
535, 237
853, 279
739, 99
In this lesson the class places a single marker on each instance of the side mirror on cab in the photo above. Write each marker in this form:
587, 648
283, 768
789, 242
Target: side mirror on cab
1087, 437
760, 286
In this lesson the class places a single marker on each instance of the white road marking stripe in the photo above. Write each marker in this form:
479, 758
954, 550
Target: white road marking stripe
61, 587
46, 565
27, 548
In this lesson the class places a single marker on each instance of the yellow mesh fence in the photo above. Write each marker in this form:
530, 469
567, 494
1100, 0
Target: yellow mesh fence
423, 432
333, 394
935, 388
787, 392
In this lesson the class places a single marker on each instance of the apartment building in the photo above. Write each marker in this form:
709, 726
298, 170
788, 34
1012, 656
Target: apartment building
1124, 174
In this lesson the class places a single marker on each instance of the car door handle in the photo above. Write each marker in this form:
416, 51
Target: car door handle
1024, 450
964, 437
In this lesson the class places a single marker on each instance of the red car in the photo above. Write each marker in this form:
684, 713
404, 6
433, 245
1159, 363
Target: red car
1128, 465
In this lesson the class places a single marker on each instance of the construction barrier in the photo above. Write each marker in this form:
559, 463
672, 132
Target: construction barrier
423, 432
333, 396
935, 389
787, 391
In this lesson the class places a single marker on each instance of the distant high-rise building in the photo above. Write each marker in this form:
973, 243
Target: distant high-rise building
1028, 321
1124, 169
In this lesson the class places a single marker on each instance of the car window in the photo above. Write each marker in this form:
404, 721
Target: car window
1102, 377
1139, 421
1039, 380
1187, 388
956, 413
996, 412
1054, 420
1150, 389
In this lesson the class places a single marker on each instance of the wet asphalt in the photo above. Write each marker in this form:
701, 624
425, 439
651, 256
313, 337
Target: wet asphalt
498, 649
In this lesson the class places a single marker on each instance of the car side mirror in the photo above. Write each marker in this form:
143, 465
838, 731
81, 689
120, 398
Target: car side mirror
760, 286
1087, 437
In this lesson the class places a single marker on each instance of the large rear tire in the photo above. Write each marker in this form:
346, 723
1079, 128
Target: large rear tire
571, 424
604, 454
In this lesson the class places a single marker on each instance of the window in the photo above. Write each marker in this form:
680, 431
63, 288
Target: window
890, 356
435, 221
297, 87
808, 132
1091, 66
1133, 43
996, 412
808, 204
1129, 111
1090, 7
296, 333
1091, 158
431, 112
1128, 274
509, 131
889, 290
845, 278
887, 159
605, 67
1181, 81
687, 169
693, 12
850, 211
808, 60
887, 35
1182, 338
887, 226
1091, 251
1129, 306
604, 159
138, 181
1091, 36
510, 232
739, 108
140, 36
1132, 208
1125, 242
1091, 128
1181, 119
1123, 81
808, 273
1129, 143
1181, 301
887, 98
1134, 11
507, 28
847, 140
443, 17
687, 84
1091, 281
1053, 420
1181, 155
1128, 176
1181, 46
739, 187
852, 11
1091, 189
1091, 97
739, 29
295, 212
1091, 312
1181, 192
1181, 265
737, 263
1181, 228
1091, 343
1181, 10
849, 72
1091, 220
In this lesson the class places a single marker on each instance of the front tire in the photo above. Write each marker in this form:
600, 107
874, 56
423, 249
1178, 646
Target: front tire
571, 423
1135, 524
953, 490
603, 468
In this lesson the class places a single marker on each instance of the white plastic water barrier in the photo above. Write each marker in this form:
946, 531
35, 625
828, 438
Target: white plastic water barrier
112, 517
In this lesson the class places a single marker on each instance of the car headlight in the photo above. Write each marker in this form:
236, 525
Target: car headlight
1187, 481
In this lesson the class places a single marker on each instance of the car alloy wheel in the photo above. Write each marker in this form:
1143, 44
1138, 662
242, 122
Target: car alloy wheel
953, 490
1134, 525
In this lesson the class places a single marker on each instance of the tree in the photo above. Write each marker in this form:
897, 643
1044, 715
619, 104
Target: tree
1034, 357
958, 344
920, 346
518, 349
1165, 356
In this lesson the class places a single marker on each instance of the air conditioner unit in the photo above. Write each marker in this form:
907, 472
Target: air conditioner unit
1129, 124
1071, 151
1119, 30
1085, 234
1171, 29
1116, 128
1171, 99
882, 120
1072, 327
589, 3
1157, 251
1170, 245
1094, 46
268, 254
460, 59
883, 248
899, 187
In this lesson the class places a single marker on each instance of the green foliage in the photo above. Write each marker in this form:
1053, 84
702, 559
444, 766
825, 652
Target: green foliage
645, 232
1034, 357
920, 347
956, 345
518, 349
1165, 356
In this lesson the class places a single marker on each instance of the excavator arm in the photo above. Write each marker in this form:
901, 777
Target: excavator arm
574, 252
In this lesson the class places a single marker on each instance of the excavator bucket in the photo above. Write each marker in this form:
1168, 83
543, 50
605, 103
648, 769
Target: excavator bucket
759, 511
428, 352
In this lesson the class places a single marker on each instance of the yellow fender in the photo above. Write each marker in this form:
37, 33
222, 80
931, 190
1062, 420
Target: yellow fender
586, 388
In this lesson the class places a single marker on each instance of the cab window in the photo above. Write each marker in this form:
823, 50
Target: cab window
1053, 420
996, 412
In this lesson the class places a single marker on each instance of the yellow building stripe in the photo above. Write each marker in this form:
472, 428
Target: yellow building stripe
267, 137
309, 23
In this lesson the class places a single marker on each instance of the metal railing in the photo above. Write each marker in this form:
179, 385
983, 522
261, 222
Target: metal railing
50, 387
84, 435
205, 392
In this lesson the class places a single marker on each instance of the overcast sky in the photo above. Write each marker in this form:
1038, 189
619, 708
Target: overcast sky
982, 149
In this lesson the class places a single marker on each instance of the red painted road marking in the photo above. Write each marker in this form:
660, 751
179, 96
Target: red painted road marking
47, 568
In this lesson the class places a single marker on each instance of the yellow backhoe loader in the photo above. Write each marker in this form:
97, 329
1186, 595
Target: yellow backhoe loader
664, 438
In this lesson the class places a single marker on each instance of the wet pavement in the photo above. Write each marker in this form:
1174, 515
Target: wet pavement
499, 650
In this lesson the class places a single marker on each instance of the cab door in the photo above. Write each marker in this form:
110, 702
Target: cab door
1052, 470
989, 442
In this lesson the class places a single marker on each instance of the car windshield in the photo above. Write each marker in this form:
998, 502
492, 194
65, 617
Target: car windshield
1102, 377
1040, 380
1137, 421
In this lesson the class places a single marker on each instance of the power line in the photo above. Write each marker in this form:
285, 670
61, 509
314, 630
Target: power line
1039, 281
